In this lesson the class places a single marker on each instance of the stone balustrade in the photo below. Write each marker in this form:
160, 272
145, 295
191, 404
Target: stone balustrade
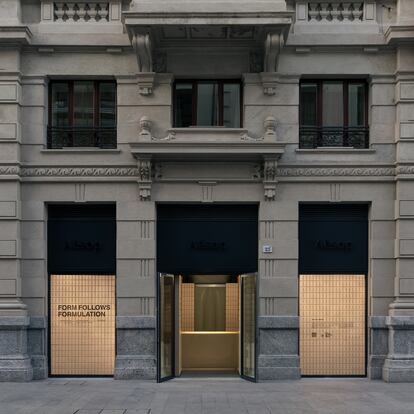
73, 11
81, 11
336, 11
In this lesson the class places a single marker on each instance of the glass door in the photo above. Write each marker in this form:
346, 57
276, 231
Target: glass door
248, 326
165, 327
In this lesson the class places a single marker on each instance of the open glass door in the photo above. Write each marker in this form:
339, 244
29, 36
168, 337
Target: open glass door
165, 327
248, 327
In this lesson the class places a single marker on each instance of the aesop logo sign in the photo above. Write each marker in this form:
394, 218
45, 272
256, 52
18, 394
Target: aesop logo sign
333, 245
80, 245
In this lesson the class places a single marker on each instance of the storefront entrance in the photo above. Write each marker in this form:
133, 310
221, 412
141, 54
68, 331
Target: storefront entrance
333, 269
207, 328
207, 317
82, 289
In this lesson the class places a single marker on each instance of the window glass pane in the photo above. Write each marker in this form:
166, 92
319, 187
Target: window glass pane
107, 104
183, 105
308, 104
207, 104
332, 101
83, 104
356, 104
60, 107
231, 105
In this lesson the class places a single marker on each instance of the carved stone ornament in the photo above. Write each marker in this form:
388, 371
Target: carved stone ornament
143, 49
269, 125
270, 81
273, 46
269, 178
144, 166
145, 132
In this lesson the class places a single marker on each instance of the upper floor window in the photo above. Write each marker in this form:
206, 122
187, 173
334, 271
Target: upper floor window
333, 113
206, 103
82, 114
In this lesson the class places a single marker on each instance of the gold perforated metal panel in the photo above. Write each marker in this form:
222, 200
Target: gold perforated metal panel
187, 306
82, 312
232, 306
332, 324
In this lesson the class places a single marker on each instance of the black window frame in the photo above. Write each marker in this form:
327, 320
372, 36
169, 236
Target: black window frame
65, 137
194, 83
316, 136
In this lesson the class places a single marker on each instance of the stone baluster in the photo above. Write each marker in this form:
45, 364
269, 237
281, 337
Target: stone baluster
82, 11
324, 11
93, 11
313, 13
335, 11
70, 12
347, 11
102, 11
358, 10
59, 11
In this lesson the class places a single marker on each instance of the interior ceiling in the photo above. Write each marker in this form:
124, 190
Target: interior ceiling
210, 279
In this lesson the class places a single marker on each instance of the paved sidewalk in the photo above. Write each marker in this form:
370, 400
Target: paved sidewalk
221, 396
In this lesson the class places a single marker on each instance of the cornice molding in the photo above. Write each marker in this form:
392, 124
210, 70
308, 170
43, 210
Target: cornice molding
333, 171
136, 172
79, 172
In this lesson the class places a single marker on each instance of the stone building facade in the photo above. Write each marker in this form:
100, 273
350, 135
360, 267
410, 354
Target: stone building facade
287, 58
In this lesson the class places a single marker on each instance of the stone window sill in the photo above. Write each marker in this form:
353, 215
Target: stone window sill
80, 150
336, 150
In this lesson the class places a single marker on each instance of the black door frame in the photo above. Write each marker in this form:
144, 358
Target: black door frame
256, 333
173, 303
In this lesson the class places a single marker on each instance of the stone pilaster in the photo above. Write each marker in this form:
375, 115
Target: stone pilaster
15, 364
399, 364
136, 320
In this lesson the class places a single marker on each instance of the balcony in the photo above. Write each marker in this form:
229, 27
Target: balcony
72, 137
350, 137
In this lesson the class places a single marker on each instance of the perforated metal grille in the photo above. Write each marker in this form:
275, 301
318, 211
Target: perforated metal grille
187, 307
82, 312
232, 307
332, 324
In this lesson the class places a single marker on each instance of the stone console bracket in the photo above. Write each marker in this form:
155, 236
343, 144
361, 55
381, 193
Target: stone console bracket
207, 144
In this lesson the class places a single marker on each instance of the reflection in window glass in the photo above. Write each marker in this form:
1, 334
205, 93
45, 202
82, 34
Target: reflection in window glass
60, 105
332, 104
207, 104
183, 105
83, 93
308, 102
356, 104
231, 105
107, 102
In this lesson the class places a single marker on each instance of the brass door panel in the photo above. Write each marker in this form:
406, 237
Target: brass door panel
332, 324
82, 314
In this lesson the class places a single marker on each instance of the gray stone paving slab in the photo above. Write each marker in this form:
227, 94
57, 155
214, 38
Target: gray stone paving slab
215, 396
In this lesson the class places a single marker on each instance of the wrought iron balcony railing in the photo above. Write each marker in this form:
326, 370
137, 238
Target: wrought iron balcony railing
63, 137
353, 137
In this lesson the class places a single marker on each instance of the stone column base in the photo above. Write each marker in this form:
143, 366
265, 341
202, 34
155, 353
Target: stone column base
278, 348
136, 348
15, 363
378, 346
399, 364
277, 367
135, 367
